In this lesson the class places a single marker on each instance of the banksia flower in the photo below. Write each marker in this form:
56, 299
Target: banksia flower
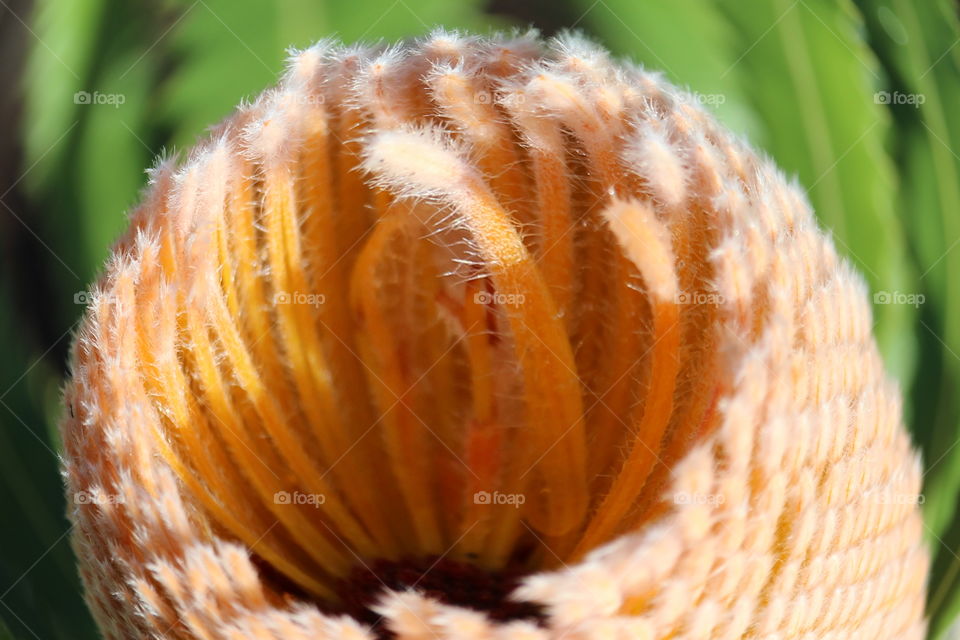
485, 339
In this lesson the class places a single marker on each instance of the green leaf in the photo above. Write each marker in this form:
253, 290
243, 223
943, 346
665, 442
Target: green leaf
244, 49
39, 586
695, 48
59, 74
917, 42
5, 633
62, 56
113, 150
944, 594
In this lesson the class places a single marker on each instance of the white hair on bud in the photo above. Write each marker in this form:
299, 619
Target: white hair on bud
160, 178
651, 156
304, 66
217, 167
516, 45
560, 93
577, 53
303, 62
448, 44
182, 200
164, 164
379, 85
540, 133
272, 137
465, 102
646, 242
416, 162
408, 613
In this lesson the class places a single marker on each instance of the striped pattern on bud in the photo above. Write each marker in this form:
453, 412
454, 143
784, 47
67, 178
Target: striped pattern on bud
503, 302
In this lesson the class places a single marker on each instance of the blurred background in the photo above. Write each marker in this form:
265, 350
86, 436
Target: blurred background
858, 99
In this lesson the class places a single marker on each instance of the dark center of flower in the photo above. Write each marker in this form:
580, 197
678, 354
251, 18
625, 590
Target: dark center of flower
443, 579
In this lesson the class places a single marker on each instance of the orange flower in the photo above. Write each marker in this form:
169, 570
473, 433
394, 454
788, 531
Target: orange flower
426, 323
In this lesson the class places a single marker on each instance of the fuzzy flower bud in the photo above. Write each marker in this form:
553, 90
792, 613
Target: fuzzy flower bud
491, 339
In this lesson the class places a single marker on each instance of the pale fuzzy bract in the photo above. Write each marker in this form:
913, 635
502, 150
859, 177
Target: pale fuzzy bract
409, 277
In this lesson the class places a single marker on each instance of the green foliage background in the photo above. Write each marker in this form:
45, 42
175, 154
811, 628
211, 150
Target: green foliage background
798, 78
